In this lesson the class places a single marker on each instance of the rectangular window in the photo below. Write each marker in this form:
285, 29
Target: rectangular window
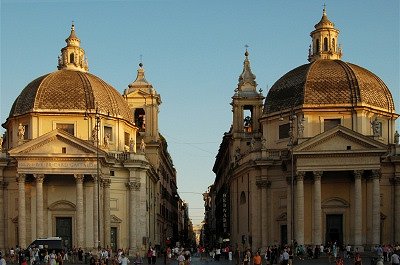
284, 131
126, 138
330, 123
26, 130
67, 127
108, 132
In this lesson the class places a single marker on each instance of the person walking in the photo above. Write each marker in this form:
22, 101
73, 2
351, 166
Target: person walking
257, 259
395, 259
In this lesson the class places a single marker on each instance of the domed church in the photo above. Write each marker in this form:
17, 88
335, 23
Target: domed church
315, 161
85, 163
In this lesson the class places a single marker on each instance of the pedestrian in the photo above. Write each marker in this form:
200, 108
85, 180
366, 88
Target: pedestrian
124, 260
357, 259
181, 259
149, 255
257, 259
339, 261
395, 259
2, 260
153, 256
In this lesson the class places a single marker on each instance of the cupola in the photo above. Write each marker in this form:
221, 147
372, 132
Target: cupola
73, 56
324, 41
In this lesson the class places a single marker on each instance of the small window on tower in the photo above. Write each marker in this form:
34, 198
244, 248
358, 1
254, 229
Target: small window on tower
140, 120
333, 45
71, 58
325, 44
69, 128
317, 46
284, 131
330, 123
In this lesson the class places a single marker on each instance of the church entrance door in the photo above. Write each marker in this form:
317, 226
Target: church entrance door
114, 238
64, 230
334, 228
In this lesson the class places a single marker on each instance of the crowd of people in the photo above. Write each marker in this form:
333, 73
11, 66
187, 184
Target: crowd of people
271, 255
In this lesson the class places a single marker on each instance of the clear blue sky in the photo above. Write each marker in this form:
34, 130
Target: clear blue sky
193, 54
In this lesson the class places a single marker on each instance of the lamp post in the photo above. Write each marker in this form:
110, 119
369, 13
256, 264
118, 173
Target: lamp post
95, 137
297, 126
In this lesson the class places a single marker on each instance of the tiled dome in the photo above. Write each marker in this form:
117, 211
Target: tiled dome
70, 91
328, 82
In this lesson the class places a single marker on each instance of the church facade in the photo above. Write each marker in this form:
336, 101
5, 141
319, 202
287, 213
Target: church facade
83, 162
315, 161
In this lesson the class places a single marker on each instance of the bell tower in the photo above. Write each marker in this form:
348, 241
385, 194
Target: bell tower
144, 102
324, 41
247, 107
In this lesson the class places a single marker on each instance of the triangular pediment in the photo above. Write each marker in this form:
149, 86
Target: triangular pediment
55, 143
340, 140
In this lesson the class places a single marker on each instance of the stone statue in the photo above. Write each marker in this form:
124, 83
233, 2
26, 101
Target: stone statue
237, 154
21, 131
376, 128
1, 143
396, 138
264, 144
252, 143
131, 145
106, 140
142, 146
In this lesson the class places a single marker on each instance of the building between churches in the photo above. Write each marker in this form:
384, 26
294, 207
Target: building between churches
315, 161
81, 161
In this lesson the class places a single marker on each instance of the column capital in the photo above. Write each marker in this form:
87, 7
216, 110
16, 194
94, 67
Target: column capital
96, 177
106, 183
39, 177
300, 175
3, 184
317, 175
358, 174
376, 174
133, 185
263, 183
79, 178
395, 181
21, 177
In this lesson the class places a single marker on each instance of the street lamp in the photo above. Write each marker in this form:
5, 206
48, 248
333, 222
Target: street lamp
295, 125
95, 136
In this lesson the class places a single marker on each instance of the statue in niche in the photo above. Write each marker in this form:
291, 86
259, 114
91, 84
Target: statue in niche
142, 146
131, 145
94, 134
107, 140
237, 154
252, 143
21, 131
263, 144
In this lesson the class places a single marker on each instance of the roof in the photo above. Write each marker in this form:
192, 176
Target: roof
69, 91
327, 82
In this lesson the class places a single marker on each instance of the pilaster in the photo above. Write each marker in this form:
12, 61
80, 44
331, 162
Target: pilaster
317, 229
21, 211
358, 222
300, 207
39, 205
79, 209
96, 242
107, 212
376, 207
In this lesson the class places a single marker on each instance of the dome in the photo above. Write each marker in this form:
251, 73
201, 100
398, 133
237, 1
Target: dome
329, 82
70, 91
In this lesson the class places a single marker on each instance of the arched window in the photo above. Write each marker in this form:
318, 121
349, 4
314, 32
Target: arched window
325, 44
317, 46
71, 58
140, 119
242, 198
333, 45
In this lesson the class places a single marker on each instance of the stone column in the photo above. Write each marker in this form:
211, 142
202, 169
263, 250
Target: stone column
132, 186
376, 207
396, 182
21, 211
263, 186
317, 208
357, 209
39, 205
2, 218
79, 210
300, 208
289, 210
107, 213
95, 211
